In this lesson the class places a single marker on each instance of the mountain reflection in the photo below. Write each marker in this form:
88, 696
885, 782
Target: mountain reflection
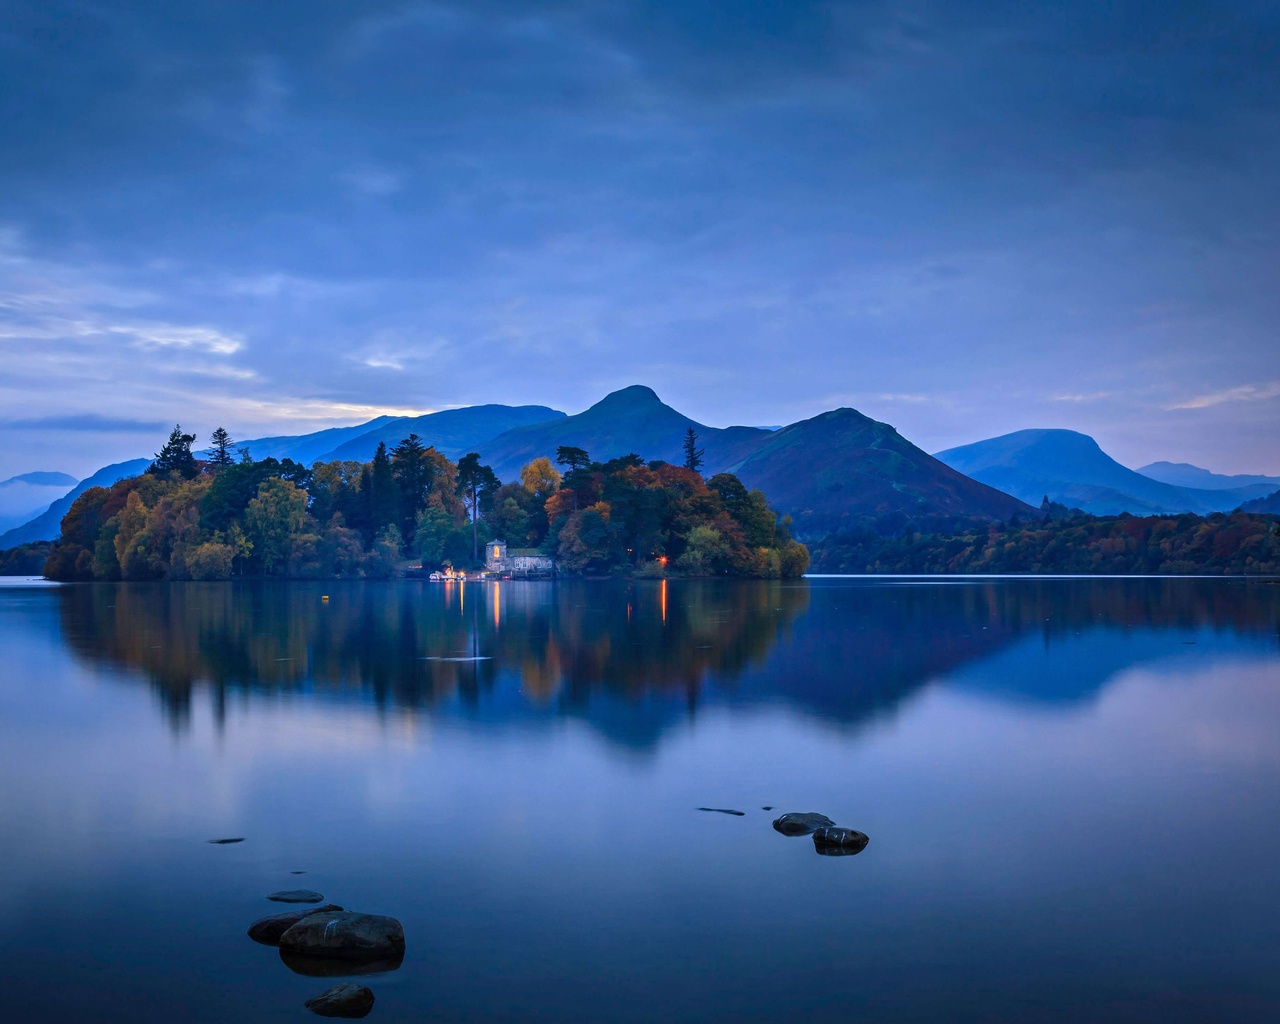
633, 658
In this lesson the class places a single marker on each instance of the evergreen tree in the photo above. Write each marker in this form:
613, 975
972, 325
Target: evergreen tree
475, 483
175, 456
573, 458
382, 497
413, 471
223, 446
692, 453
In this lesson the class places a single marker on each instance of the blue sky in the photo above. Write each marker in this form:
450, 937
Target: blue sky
961, 218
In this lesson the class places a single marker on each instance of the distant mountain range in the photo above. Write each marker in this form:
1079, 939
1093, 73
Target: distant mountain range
46, 525
828, 471
1071, 468
24, 496
1183, 474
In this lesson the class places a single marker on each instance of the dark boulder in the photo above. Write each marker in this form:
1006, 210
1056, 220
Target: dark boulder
347, 1000
268, 930
343, 934
796, 823
839, 841
296, 896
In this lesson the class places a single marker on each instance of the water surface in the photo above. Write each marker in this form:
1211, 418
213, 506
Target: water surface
1072, 789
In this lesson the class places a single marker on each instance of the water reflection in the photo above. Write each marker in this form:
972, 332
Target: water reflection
843, 649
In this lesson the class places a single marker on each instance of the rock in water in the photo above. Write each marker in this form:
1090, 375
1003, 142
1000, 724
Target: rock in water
833, 840
296, 896
268, 930
796, 823
344, 934
334, 967
342, 1001
723, 810
227, 842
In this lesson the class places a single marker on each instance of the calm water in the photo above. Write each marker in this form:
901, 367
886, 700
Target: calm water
1072, 789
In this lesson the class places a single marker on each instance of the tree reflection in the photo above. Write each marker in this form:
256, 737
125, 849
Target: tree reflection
631, 657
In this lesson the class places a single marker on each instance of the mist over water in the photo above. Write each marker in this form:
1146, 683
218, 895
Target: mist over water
1071, 789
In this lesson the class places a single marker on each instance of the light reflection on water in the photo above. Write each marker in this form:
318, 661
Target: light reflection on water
1070, 788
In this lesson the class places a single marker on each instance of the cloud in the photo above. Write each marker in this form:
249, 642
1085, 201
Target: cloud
374, 181
1243, 393
201, 339
87, 422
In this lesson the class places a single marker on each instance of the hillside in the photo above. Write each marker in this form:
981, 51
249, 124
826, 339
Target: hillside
453, 432
27, 495
1183, 474
832, 470
1270, 505
46, 526
634, 419
1072, 469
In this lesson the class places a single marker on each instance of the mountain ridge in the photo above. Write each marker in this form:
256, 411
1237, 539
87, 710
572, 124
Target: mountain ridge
1070, 467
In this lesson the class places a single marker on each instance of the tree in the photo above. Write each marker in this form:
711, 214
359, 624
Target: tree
573, 458
223, 446
278, 522
413, 471
692, 453
540, 477
175, 456
475, 482
381, 495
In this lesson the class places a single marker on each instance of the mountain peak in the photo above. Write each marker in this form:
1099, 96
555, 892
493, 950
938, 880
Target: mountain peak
634, 397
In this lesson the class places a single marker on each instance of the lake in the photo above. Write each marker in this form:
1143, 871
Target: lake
1071, 788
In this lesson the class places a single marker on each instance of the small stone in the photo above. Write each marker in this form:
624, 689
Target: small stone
347, 1000
296, 896
832, 840
769, 808
797, 823
227, 842
723, 810
268, 930
345, 934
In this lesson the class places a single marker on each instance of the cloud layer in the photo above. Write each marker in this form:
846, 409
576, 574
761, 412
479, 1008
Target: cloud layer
961, 219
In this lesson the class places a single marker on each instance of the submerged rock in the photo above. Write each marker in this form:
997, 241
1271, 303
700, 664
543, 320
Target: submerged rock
342, 1001
227, 842
797, 823
832, 840
344, 934
332, 967
268, 930
723, 810
296, 896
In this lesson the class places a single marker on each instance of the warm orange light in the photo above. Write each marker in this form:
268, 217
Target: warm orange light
664, 600
497, 605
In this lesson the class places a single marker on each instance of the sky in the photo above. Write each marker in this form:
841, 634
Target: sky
960, 218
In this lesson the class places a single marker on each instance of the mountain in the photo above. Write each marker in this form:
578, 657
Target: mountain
840, 466
39, 479
454, 432
1072, 469
46, 526
1183, 474
635, 420
26, 495
1270, 505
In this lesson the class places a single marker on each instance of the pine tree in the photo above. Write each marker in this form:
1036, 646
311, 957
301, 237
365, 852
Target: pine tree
692, 453
475, 483
223, 446
175, 456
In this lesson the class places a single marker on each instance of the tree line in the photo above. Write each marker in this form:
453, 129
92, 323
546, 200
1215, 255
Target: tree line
1061, 541
228, 514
